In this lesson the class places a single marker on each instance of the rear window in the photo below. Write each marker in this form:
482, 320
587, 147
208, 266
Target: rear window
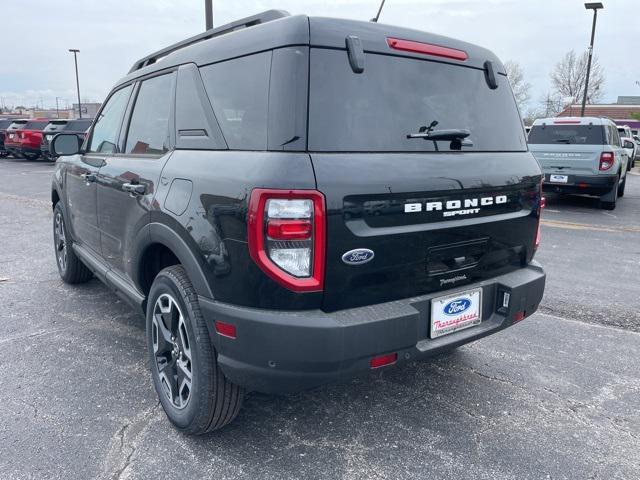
569, 134
18, 124
78, 125
36, 125
55, 126
395, 96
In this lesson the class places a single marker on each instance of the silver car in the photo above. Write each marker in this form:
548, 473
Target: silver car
581, 155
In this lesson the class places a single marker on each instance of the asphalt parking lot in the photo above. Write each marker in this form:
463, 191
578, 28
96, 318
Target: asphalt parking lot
555, 397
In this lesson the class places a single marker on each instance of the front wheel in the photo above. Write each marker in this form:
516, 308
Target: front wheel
195, 394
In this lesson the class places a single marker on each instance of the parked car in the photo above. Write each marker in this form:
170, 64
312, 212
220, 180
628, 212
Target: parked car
212, 189
636, 139
4, 124
24, 141
11, 137
581, 155
78, 127
626, 135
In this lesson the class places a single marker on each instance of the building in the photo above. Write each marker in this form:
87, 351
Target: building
89, 110
625, 107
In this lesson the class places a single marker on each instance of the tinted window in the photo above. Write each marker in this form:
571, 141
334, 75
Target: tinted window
239, 93
36, 125
5, 123
78, 125
55, 126
18, 124
395, 96
568, 134
149, 126
104, 137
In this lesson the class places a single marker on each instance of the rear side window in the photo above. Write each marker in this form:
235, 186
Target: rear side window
16, 125
239, 93
149, 126
567, 134
104, 137
395, 96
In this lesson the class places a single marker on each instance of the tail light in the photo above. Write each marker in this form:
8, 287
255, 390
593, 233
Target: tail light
426, 49
286, 234
541, 205
606, 161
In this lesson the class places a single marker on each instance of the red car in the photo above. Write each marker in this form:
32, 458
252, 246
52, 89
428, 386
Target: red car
25, 141
10, 138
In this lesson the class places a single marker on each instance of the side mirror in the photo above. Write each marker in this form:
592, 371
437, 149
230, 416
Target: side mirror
65, 144
628, 144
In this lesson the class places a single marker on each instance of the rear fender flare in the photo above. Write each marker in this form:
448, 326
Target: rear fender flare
165, 235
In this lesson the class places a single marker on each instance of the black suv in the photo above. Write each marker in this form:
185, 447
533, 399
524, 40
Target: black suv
295, 200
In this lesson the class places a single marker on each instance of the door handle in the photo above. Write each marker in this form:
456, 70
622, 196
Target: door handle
133, 188
89, 177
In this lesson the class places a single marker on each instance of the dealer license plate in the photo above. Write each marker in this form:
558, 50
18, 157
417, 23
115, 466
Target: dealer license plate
456, 312
558, 178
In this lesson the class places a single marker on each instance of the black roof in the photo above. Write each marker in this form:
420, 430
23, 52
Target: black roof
285, 31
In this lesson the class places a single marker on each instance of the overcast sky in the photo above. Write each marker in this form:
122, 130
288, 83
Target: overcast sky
35, 66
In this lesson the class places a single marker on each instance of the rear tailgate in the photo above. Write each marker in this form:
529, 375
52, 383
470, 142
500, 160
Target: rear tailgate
482, 221
568, 159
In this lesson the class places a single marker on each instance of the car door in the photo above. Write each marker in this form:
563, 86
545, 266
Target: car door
82, 171
128, 180
620, 151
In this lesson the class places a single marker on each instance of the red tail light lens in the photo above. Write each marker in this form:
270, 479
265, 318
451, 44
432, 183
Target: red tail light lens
383, 360
426, 48
225, 329
606, 161
286, 235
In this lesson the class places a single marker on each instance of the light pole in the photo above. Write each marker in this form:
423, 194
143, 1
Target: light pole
57, 109
595, 6
75, 52
208, 14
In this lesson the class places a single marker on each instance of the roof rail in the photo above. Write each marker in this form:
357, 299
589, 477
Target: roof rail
257, 19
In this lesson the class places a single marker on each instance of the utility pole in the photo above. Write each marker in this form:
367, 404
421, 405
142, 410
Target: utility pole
595, 7
208, 14
57, 109
75, 59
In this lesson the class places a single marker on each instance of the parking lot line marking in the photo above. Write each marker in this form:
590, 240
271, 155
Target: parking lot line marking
583, 226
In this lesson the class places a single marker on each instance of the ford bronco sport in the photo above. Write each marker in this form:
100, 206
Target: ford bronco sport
581, 155
295, 200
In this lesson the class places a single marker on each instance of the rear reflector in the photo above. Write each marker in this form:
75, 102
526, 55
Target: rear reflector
426, 48
518, 316
225, 329
383, 360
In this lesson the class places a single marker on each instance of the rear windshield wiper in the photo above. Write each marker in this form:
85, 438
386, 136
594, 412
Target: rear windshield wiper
454, 135
448, 134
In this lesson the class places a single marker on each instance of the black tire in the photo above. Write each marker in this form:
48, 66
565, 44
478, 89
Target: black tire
611, 197
622, 186
70, 267
31, 156
202, 400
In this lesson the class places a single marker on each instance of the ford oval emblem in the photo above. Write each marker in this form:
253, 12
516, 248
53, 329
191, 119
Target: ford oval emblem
457, 306
358, 256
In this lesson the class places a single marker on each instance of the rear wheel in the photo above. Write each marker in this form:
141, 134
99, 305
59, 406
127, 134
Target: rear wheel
31, 156
621, 187
195, 394
608, 201
70, 267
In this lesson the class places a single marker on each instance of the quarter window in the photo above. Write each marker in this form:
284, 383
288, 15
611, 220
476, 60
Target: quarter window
149, 126
239, 93
104, 138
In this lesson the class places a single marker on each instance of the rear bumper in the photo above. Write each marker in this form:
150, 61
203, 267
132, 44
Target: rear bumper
30, 151
581, 184
281, 352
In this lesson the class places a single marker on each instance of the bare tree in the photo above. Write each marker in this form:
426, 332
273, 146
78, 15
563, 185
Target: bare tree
521, 89
569, 74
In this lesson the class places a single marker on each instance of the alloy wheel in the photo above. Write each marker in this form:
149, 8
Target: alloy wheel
172, 350
60, 241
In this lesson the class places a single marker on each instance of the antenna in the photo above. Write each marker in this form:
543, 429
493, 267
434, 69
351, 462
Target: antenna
375, 19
